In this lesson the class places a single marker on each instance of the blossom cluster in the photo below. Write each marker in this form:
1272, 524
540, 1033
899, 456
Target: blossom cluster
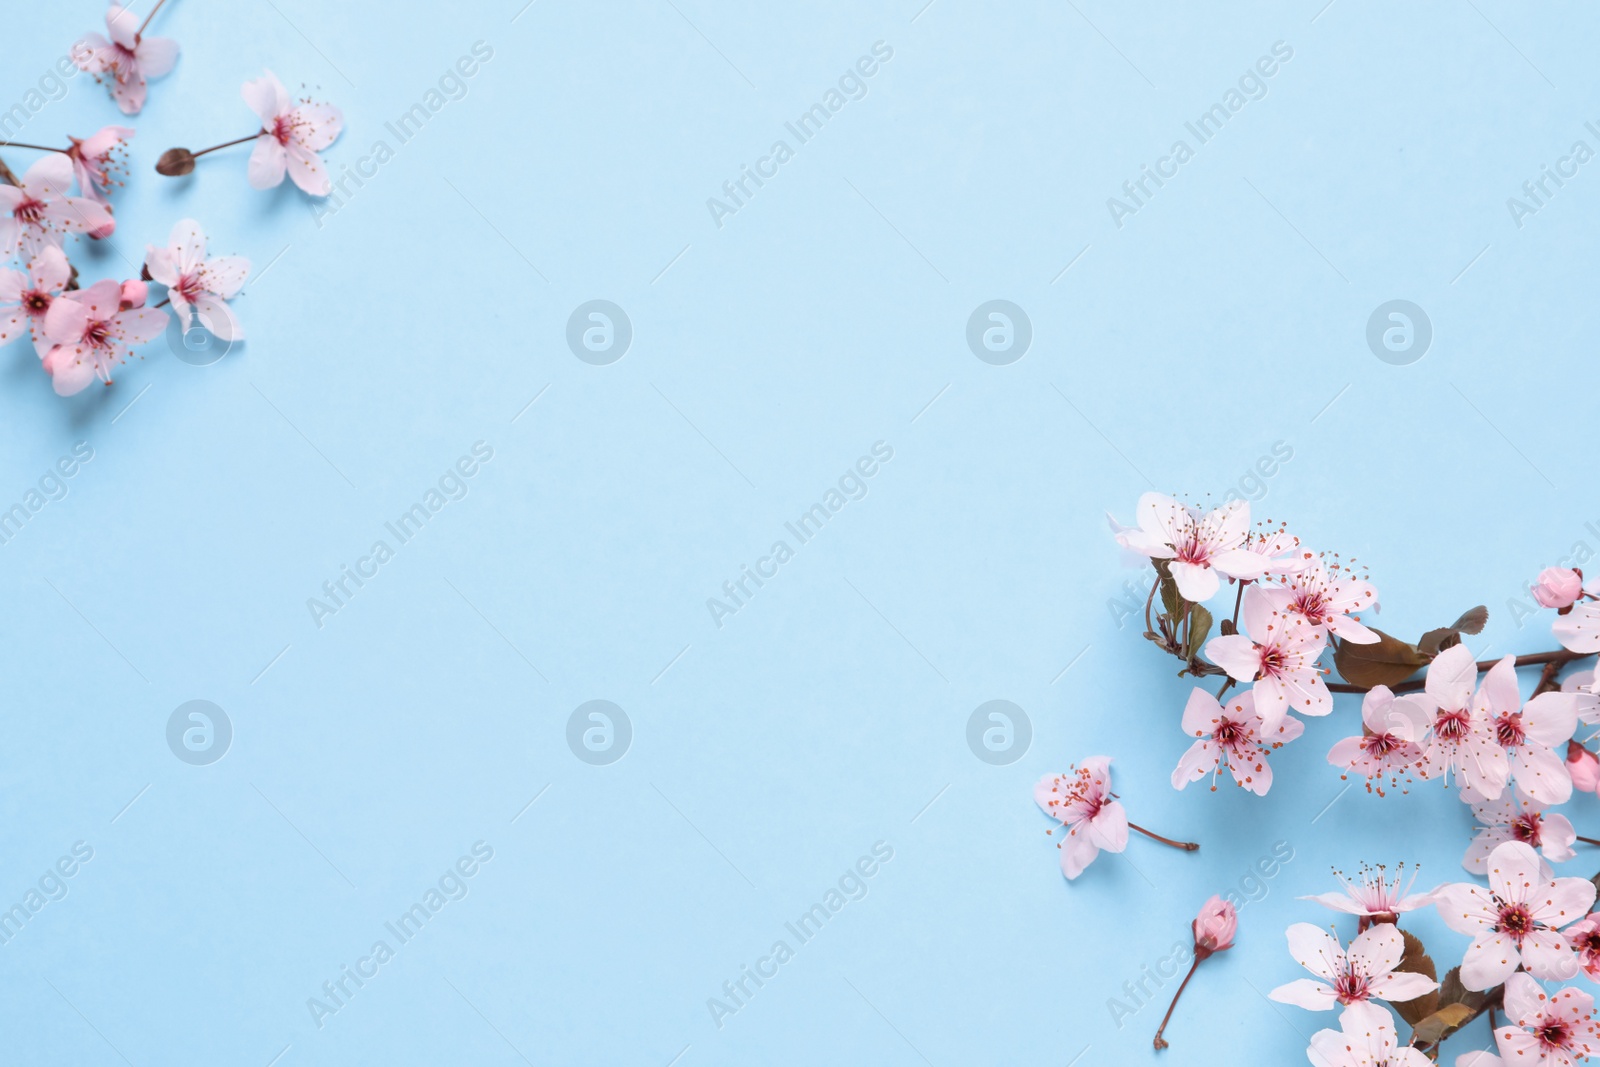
1428, 711
79, 332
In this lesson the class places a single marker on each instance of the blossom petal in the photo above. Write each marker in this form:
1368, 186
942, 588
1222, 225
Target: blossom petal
1306, 993
1541, 774
267, 97
1546, 954
157, 56
307, 171
1197, 583
1316, 950
1464, 907
1489, 961
1377, 951
268, 161
1236, 654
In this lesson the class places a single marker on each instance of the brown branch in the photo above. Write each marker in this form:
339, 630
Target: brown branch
1552, 661
7, 175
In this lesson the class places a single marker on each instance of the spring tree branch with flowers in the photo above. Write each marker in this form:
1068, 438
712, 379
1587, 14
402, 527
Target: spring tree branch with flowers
1259, 621
80, 332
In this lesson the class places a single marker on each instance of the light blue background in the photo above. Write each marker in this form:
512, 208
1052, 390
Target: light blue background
1227, 315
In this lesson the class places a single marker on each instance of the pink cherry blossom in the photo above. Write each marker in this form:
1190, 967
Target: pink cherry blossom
1366, 1038
1558, 587
197, 285
1082, 801
134, 294
1328, 596
1375, 896
1200, 547
1215, 927
93, 333
1585, 696
1278, 652
292, 133
1367, 971
26, 296
1517, 920
100, 161
1233, 737
1511, 818
40, 213
1460, 740
1529, 733
1584, 937
127, 59
1584, 767
1386, 748
1553, 1029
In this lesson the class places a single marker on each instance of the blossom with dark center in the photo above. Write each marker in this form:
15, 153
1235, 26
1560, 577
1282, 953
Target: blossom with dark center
1386, 750
1372, 895
1082, 801
1513, 818
1530, 734
39, 213
1277, 651
126, 59
1552, 1029
26, 296
1232, 737
1366, 972
1198, 547
1460, 740
1328, 595
93, 333
1517, 920
1366, 1038
292, 133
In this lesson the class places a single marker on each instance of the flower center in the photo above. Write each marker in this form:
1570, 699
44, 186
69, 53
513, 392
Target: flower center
189, 286
1525, 828
1350, 987
1589, 943
35, 303
1380, 745
1554, 1034
1313, 605
1515, 920
1508, 730
97, 333
1273, 661
283, 129
1453, 726
29, 212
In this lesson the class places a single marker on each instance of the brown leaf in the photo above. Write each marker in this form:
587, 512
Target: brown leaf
1389, 662
175, 161
1441, 1024
1451, 991
1471, 622
1417, 961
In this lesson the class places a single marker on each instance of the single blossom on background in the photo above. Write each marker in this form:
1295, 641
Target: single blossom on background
100, 160
1460, 740
1367, 971
1328, 596
197, 285
26, 296
1366, 1038
1386, 748
39, 213
292, 133
1558, 587
1512, 818
1529, 733
127, 58
1374, 896
93, 333
1232, 737
1214, 929
1198, 547
1081, 800
1517, 920
1553, 1029
1584, 937
1278, 652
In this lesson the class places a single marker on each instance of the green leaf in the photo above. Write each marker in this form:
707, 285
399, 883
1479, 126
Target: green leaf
1441, 1024
1199, 630
1171, 599
1417, 961
1389, 662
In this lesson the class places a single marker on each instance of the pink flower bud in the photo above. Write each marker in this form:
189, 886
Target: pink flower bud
1557, 587
1214, 927
134, 294
1584, 766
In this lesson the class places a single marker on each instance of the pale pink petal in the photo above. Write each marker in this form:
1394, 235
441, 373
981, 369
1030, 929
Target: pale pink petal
69, 372
51, 269
1488, 839
1464, 907
1402, 985
1551, 718
13, 324
1489, 961
1515, 873
267, 97
66, 320
1109, 828
1522, 1047
12, 284
1315, 949
1579, 629
141, 325
1351, 630
49, 177
124, 26
307, 170
1541, 774
1306, 993
225, 275
1077, 852
1546, 954
1241, 563
1236, 654
129, 93
1557, 836
1450, 678
157, 55
1377, 951
1200, 760
161, 265
1525, 1000
268, 161
1564, 901
319, 125
1195, 583
218, 318
188, 244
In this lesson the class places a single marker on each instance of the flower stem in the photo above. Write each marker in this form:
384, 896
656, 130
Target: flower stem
146, 23
1187, 846
1237, 601
7, 176
1553, 661
226, 144
1588, 840
35, 147
1160, 1042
